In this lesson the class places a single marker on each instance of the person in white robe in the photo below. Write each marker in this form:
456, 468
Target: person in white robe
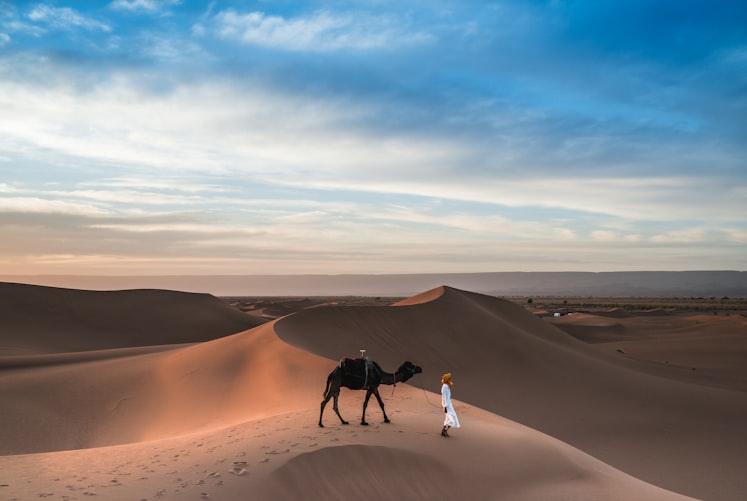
451, 420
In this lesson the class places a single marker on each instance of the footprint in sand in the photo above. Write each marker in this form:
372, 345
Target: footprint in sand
275, 451
239, 468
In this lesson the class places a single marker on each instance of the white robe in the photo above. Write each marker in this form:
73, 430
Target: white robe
450, 418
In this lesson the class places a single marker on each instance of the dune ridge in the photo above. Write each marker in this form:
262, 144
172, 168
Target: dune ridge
237, 414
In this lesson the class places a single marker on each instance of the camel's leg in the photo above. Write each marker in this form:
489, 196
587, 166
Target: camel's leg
381, 404
324, 403
337, 410
365, 404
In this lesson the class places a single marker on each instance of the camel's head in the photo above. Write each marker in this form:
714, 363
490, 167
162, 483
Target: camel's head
408, 370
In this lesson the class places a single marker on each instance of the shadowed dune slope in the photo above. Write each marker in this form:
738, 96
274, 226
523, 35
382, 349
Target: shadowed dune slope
704, 349
500, 460
375, 470
685, 437
40, 320
151, 396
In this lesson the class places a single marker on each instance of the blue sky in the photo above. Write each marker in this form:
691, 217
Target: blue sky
274, 137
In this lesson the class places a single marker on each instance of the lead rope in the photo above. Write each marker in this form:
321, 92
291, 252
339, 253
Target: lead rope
425, 394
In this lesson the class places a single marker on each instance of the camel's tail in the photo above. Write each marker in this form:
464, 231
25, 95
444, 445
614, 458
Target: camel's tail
332, 374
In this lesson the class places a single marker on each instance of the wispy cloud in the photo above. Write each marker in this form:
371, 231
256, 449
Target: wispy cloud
64, 18
320, 31
15, 25
47, 206
149, 6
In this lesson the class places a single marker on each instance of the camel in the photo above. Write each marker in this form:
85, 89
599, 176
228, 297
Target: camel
363, 374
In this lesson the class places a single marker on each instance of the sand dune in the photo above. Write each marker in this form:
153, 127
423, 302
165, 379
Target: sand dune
235, 416
687, 437
287, 457
38, 320
701, 349
156, 395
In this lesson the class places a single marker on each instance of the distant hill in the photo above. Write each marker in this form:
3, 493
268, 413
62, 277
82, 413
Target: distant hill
634, 283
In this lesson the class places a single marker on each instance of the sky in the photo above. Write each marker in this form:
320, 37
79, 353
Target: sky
161, 137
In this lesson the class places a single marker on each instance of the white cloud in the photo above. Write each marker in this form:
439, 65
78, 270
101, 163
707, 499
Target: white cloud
17, 26
193, 228
605, 236
322, 31
171, 49
738, 235
45, 206
143, 5
609, 236
4, 39
143, 197
64, 18
688, 236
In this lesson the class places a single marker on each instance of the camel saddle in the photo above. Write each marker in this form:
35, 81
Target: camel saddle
355, 369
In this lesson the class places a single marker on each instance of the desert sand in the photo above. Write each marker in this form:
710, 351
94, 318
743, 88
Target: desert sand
149, 394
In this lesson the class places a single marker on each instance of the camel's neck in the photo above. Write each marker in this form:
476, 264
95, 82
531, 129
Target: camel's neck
397, 377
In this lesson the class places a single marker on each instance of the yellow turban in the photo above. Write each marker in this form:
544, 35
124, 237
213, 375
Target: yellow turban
446, 379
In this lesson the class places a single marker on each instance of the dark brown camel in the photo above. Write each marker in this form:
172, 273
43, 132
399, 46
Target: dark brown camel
361, 374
